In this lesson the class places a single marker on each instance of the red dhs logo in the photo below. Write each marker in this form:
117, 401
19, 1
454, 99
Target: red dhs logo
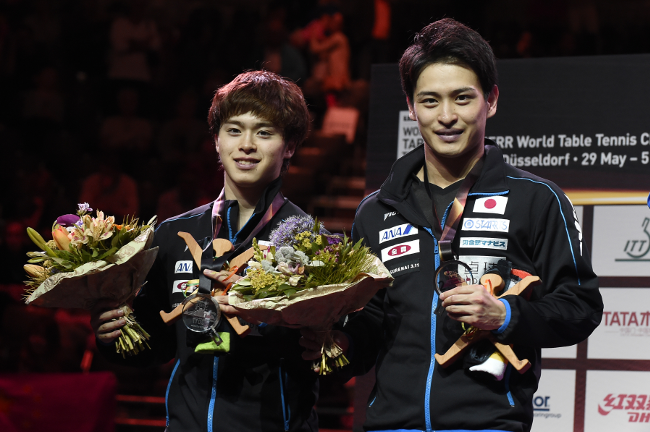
636, 406
399, 250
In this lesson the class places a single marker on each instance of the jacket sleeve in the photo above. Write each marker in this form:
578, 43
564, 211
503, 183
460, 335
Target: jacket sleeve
567, 306
365, 328
150, 300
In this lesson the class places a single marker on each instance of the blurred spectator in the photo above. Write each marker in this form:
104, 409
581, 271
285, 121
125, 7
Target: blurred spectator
186, 195
332, 69
45, 102
110, 190
134, 40
14, 245
126, 131
181, 137
330, 74
199, 46
277, 54
45, 23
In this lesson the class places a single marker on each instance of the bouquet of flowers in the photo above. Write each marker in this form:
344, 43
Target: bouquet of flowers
309, 278
92, 258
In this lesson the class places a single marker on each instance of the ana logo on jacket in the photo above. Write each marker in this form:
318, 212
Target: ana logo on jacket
397, 232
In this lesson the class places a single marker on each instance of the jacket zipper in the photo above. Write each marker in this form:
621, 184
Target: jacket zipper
213, 395
286, 410
432, 361
178, 362
507, 383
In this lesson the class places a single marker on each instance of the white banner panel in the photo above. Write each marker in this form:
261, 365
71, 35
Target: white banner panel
617, 401
569, 352
553, 404
624, 332
621, 240
408, 136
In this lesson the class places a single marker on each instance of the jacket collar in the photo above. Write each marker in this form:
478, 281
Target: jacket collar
397, 185
272, 189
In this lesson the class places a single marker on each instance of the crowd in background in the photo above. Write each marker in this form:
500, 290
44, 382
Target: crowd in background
105, 102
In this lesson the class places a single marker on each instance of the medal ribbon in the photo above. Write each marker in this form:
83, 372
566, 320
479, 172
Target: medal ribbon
445, 235
207, 261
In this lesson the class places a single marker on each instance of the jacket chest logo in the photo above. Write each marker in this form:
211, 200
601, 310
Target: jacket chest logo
397, 232
486, 224
493, 204
400, 250
184, 266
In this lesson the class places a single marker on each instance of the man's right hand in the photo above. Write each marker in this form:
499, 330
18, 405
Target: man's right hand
101, 316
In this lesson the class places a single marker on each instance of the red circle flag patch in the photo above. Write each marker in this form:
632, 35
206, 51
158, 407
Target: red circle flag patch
492, 204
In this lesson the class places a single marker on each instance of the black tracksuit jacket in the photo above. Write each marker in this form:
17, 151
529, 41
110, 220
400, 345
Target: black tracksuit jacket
399, 333
262, 384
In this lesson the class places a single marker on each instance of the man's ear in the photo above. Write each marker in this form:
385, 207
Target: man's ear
493, 97
411, 110
289, 150
216, 142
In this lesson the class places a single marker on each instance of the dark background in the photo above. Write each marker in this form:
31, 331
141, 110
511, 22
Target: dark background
56, 95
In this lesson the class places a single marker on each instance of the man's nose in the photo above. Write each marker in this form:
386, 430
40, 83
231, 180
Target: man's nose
247, 144
447, 115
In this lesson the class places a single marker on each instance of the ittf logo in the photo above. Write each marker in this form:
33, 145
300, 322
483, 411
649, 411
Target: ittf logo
400, 250
637, 249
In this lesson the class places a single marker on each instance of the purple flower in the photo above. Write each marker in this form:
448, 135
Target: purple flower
284, 234
67, 220
84, 208
334, 239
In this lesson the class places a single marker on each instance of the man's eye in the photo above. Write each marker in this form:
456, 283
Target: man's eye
265, 133
429, 101
463, 98
232, 130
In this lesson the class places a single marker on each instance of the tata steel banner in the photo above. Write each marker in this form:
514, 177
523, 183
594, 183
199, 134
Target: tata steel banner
624, 332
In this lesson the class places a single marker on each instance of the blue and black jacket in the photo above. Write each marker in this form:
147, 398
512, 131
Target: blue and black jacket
261, 383
510, 215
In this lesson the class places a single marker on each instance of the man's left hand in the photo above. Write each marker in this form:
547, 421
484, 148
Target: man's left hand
474, 305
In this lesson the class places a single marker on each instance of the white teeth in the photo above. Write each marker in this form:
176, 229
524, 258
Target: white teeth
246, 162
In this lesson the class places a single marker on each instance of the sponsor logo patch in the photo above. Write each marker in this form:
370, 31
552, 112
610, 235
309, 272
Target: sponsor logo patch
179, 286
404, 268
484, 243
494, 204
400, 250
389, 214
183, 266
397, 232
478, 264
481, 224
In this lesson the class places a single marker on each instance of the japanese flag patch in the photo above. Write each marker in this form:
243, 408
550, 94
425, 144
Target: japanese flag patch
493, 204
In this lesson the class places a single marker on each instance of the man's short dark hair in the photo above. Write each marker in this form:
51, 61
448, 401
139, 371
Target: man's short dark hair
265, 95
448, 41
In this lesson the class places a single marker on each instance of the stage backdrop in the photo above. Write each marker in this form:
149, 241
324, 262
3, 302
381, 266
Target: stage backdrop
584, 123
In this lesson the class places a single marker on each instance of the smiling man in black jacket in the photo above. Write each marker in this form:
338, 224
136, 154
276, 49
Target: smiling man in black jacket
258, 382
456, 198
